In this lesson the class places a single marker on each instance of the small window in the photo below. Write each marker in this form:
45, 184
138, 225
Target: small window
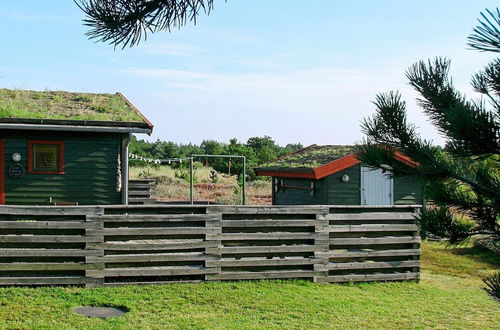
45, 157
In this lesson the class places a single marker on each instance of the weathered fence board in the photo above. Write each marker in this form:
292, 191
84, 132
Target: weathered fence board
169, 243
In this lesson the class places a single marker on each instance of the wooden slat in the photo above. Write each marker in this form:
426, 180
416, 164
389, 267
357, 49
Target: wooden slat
371, 277
51, 210
10, 252
379, 253
73, 224
264, 236
173, 244
118, 283
156, 218
262, 275
158, 271
375, 241
47, 239
270, 223
140, 193
276, 209
42, 280
155, 257
370, 216
372, 228
267, 249
372, 265
276, 261
40, 266
155, 231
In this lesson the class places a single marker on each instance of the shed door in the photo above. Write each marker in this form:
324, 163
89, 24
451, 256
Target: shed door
376, 187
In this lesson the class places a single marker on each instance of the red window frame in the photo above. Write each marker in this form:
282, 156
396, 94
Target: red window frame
61, 156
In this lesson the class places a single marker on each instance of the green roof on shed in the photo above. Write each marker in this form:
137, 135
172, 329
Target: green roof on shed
60, 105
309, 158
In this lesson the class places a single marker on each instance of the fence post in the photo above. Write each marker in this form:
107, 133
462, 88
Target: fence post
416, 270
94, 272
321, 247
213, 244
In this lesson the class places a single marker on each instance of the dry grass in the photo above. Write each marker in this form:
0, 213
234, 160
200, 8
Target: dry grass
173, 185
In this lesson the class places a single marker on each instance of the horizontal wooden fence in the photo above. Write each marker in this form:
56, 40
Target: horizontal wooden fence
141, 244
141, 191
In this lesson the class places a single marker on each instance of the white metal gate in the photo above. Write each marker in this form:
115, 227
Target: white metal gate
376, 187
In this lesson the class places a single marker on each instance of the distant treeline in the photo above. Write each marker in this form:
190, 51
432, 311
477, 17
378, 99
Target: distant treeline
257, 150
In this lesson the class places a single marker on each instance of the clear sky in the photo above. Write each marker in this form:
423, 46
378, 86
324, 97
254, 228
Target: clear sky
299, 71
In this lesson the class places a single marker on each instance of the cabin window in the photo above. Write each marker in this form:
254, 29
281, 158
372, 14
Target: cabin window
46, 157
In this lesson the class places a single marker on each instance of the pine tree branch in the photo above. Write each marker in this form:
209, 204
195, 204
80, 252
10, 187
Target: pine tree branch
486, 36
470, 129
127, 22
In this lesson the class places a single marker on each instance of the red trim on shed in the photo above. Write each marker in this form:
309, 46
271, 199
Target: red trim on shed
405, 159
46, 142
330, 168
336, 166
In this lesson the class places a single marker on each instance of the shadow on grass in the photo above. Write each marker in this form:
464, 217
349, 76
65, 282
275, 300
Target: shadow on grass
476, 253
461, 261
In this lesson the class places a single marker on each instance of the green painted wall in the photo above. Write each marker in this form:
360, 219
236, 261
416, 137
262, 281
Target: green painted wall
344, 193
293, 196
407, 191
90, 165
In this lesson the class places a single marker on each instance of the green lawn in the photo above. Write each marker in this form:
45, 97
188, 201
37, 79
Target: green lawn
448, 296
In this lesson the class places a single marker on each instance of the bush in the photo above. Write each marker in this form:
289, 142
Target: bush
493, 285
145, 174
442, 222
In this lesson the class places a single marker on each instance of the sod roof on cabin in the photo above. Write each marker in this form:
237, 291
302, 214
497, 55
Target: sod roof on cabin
308, 158
59, 105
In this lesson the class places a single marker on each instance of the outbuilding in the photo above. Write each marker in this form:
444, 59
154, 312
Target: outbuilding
332, 175
64, 148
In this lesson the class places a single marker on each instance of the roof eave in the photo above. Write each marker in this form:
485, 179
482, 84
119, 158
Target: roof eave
150, 124
78, 128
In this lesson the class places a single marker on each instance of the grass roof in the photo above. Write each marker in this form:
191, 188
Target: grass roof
309, 158
24, 104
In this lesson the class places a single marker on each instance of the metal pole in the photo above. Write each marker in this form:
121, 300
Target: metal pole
191, 180
243, 188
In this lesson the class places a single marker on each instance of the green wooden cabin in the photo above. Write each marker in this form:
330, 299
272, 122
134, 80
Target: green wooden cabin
333, 175
62, 148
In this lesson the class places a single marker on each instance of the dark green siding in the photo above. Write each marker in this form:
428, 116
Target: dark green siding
407, 191
332, 191
344, 193
90, 167
293, 196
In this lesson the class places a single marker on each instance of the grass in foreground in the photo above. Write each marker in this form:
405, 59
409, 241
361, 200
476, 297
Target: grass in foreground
448, 296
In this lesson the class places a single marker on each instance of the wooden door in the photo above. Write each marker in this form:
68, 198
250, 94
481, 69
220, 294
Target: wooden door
376, 187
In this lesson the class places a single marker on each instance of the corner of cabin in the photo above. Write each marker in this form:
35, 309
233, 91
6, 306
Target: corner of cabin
65, 148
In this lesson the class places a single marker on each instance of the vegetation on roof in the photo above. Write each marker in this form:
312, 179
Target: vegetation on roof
26, 104
311, 157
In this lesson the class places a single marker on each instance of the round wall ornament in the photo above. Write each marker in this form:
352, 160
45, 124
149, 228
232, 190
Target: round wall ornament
16, 157
16, 171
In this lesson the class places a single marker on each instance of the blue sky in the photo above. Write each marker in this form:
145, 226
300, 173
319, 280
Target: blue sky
299, 71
